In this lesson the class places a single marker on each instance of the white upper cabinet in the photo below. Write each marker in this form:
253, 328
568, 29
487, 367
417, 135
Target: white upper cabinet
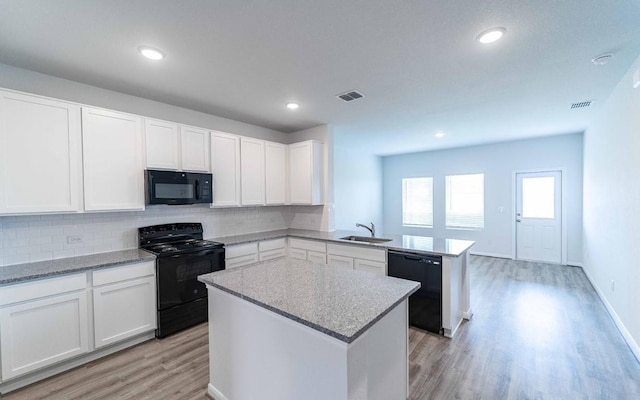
275, 173
162, 144
306, 173
225, 167
194, 143
252, 171
176, 147
39, 138
113, 168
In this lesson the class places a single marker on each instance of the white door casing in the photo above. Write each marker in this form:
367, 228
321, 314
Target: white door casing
538, 219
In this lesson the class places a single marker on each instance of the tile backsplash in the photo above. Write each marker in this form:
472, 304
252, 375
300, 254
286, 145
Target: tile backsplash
44, 237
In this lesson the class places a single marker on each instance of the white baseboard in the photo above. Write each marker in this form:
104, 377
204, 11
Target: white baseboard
495, 255
215, 393
635, 349
575, 264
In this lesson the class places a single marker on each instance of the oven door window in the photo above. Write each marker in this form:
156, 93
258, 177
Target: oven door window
178, 277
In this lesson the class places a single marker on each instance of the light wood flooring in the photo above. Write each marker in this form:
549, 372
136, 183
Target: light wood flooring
538, 332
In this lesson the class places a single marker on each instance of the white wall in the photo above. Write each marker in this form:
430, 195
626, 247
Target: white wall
498, 162
36, 238
358, 188
46, 85
611, 206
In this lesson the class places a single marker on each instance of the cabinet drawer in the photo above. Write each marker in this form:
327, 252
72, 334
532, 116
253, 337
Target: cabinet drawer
42, 288
272, 244
297, 253
340, 261
123, 273
271, 254
317, 257
375, 267
308, 245
239, 250
241, 261
357, 252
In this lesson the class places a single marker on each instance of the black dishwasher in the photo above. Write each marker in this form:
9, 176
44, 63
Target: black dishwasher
425, 305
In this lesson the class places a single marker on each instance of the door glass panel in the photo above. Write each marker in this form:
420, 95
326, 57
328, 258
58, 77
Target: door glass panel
538, 195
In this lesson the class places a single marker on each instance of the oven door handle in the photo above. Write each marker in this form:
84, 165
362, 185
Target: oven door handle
200, 253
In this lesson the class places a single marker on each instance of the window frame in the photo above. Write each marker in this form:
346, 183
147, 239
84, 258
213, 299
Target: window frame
404, 201
448, 201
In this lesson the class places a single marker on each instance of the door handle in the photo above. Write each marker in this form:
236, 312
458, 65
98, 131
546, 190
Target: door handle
518, 220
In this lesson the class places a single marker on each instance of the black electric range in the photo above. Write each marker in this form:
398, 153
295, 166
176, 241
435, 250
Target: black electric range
182, 255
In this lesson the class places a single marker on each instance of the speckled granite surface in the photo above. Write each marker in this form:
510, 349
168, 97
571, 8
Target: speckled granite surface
339, 302
23, 272
408, 243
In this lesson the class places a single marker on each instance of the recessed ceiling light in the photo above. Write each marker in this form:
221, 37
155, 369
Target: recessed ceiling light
491, 35
602, 59
293, 106
439, 135
151, 53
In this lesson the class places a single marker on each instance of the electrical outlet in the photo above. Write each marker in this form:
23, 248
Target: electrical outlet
74, 239
613, 286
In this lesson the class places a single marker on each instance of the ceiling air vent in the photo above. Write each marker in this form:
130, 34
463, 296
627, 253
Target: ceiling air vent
350, 95
582, 104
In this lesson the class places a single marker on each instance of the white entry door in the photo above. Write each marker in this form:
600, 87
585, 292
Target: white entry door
539, 216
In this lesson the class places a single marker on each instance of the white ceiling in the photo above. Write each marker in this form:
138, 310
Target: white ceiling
417, 62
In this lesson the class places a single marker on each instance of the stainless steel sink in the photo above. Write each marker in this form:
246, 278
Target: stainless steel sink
366, 239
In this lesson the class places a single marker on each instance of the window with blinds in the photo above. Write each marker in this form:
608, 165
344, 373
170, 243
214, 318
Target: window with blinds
417, 202
465, 201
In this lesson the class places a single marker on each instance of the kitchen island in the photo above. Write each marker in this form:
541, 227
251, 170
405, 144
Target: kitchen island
291, 329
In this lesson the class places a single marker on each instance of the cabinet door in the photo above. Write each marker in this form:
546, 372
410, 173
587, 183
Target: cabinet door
40, 333
298, 253
113, 170
306, 173
275, 173
252, 171
40, 155
317, 257
225, 166
195, 149
161, 144
125, 309
375, 267
340, 261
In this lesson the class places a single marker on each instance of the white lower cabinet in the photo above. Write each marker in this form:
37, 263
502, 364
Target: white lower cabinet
340, 261
272, 249
42, 323
124, 302
358, 258
310, 250
48, 321
240, 255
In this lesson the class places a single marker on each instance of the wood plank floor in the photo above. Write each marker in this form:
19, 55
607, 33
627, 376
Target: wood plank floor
539, 332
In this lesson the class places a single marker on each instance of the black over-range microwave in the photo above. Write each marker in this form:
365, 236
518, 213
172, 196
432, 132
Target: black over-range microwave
173, 187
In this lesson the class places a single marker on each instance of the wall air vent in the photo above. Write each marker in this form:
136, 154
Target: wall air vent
350, 95
582, 104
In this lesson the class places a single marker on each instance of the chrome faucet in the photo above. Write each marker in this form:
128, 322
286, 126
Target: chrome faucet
372, 229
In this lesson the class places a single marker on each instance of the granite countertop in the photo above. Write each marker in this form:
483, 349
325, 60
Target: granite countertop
339, 302
405, 243
23, 272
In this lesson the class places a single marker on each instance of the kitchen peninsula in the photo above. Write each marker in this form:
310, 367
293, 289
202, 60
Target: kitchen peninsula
292, 329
